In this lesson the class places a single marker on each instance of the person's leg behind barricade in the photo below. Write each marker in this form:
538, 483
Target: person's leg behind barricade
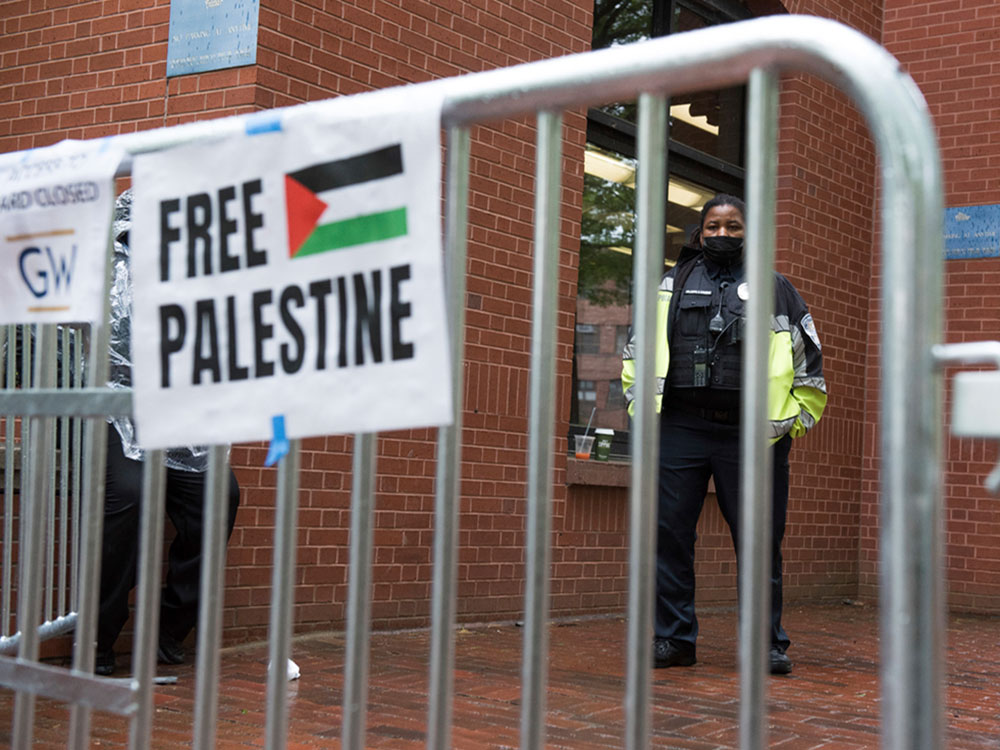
683, 483
726, 472
180, 596
119, 550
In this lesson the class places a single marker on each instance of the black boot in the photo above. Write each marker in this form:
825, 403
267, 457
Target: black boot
104, 663
170, 650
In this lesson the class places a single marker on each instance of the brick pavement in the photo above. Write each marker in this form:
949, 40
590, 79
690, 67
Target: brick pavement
829, 701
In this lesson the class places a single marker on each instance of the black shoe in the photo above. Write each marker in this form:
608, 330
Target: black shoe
170, 650
780, 663
668, 654
104, 663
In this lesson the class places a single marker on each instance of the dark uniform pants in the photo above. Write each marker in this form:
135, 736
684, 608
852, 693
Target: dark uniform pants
119, 555
691, 450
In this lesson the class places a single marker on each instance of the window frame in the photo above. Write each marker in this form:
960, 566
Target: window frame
618, 135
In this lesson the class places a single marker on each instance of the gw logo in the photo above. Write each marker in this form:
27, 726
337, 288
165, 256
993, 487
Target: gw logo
43, 272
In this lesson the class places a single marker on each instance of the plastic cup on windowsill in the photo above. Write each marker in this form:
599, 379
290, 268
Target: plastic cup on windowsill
584, 445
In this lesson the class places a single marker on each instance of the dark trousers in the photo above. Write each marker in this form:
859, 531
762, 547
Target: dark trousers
120, 550
691, 450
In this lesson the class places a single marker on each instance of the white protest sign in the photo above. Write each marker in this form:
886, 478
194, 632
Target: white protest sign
55, 221
294, 273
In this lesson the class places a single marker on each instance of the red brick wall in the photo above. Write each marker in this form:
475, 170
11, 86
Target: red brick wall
950, 49
88, 69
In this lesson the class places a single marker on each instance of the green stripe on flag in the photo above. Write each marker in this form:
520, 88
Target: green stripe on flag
356, 231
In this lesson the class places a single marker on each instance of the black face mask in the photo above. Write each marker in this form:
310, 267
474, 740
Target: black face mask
722, 249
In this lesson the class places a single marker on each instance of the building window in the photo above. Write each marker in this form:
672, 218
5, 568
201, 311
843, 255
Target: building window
616, 399
705, 157
586, 391
588, 339
621, 337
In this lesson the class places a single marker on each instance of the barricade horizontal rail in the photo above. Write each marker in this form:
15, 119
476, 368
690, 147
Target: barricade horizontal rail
757, 51
113, 696
53, 628
85, 402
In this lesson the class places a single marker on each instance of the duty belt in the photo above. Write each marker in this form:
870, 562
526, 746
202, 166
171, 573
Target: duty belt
719, 416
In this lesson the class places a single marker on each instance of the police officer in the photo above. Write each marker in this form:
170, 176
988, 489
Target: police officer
700, 315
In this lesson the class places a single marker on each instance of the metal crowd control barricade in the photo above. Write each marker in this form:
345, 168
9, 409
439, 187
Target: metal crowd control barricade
61, 508
911, 214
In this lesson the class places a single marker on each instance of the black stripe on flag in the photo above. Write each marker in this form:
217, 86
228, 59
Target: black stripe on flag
383, 162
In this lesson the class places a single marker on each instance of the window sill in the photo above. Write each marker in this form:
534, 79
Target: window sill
613, 473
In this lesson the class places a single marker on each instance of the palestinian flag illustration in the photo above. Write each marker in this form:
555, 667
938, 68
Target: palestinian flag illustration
305, 207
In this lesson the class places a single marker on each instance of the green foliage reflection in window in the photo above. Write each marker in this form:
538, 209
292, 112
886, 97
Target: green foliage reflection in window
621, 21
607, 235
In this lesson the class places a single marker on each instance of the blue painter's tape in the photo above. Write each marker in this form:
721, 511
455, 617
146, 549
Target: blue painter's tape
264, 124
279, 443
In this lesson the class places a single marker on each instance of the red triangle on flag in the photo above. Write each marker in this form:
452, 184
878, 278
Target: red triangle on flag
303, 210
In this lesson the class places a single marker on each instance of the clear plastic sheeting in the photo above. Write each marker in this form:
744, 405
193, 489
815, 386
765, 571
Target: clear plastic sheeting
187, 458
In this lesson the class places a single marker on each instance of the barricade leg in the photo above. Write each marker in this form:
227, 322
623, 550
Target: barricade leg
359, 594
545, 294
282, 595
756, 459
651, 195
32, 545
213, 562
448, 478
147, 610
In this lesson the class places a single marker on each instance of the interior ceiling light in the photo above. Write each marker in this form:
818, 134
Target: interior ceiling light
608, 167
615, 169
687, 194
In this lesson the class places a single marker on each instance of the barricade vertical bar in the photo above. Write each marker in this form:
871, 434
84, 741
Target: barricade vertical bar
76, 451
213, 564
651, 199
282, 595
94, 458
147, 610
48, 588
31, 551
64, 519
448, 489
27, 355
91, 534
912, 611
8, 488
27, 376
756, 507
545, 294
359, 593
